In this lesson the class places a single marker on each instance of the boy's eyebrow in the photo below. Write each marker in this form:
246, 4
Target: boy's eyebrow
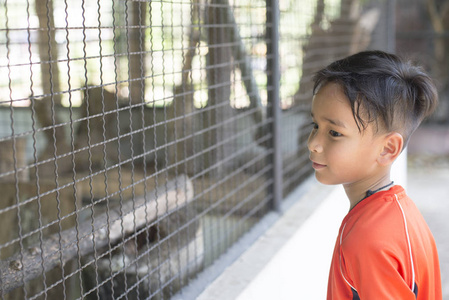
336, 122
333, 122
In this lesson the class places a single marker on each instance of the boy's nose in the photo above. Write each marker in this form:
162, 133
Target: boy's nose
314, 144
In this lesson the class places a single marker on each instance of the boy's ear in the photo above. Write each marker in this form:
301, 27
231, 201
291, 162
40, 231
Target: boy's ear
391, 149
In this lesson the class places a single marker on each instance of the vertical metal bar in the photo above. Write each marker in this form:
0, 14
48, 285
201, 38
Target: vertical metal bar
274, 112
391, 26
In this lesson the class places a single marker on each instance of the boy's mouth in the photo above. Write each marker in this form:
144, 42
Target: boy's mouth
317, 166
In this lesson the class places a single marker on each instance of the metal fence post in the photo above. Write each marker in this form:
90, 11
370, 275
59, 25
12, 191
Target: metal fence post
274, 110
391, 27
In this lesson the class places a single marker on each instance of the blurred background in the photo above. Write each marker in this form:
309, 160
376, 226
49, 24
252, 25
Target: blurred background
141, 140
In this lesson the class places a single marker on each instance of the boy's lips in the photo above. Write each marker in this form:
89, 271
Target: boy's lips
317, 166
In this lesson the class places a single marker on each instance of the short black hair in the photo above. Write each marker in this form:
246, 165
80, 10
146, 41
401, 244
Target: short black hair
394, 94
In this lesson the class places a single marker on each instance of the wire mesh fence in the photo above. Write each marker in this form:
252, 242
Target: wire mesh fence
139, 140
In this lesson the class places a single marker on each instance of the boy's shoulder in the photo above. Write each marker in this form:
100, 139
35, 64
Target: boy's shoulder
377, 222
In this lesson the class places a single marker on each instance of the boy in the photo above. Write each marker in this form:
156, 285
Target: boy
365, 108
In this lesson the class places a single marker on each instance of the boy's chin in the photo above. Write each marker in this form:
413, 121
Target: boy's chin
325, 180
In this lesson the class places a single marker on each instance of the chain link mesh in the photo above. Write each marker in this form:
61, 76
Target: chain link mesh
136, 136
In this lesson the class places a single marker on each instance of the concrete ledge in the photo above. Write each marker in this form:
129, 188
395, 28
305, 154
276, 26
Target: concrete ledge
291, 259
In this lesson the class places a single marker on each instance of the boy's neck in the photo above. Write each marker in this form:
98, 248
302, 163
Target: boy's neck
356, 192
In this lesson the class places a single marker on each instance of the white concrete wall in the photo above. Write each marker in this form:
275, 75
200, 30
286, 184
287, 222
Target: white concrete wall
291, 260
399, 170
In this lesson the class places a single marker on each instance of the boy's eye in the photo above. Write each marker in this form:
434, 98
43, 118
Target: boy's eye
334, 133
314, 125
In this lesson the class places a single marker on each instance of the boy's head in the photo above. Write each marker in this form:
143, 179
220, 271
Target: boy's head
391, 94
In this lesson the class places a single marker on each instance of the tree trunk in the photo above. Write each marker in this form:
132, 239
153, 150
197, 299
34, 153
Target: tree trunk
182, 110
219, 62
48, 49
136, 43
45, 107
439, 17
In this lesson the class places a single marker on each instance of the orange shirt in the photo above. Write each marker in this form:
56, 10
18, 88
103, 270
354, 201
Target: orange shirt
385, 250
